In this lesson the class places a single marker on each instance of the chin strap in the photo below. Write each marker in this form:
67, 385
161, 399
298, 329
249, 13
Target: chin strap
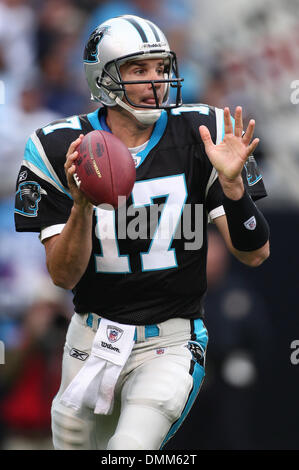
147, 117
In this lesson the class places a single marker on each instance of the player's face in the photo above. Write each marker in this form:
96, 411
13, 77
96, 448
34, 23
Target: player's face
143, 94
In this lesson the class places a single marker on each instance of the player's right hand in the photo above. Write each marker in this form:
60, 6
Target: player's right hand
70, 168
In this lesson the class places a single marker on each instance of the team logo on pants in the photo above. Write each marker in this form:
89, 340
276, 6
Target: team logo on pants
197, 352
114, 333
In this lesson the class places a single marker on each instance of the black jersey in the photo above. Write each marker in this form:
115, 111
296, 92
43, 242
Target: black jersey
148, 261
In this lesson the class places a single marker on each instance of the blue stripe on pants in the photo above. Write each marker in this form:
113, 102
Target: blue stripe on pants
197, 375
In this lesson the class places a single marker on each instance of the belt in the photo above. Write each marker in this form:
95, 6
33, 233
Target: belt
149, 331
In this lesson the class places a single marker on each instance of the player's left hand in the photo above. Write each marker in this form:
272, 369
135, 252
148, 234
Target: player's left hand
230, 155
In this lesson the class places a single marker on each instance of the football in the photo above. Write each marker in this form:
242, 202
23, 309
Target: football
105, 169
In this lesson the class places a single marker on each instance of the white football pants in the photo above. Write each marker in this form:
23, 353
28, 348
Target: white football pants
153, 395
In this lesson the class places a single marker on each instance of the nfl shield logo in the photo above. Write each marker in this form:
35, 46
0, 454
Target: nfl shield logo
114, 333
250, 224
160, 351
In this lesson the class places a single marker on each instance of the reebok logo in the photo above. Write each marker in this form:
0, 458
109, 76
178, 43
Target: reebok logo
77, 354
146, 45
108, 346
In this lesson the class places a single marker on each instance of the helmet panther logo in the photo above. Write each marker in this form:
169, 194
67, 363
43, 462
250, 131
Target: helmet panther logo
27, 198
91, 49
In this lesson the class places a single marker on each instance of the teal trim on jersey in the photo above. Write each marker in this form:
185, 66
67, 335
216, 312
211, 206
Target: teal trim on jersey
98, 120
157, 133
94, 120
251, 183
33, 156
198, 375
233, 121
154, 139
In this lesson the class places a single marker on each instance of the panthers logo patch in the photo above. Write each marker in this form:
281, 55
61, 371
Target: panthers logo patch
27, 198
197, 352
252, 172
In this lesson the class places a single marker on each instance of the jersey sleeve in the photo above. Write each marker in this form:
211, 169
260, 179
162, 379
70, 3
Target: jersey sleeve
42, 198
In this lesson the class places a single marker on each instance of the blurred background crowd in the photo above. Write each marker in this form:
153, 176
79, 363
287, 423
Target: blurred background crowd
230, 53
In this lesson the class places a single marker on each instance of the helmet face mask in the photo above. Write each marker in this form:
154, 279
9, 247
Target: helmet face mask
121, 40
116, 84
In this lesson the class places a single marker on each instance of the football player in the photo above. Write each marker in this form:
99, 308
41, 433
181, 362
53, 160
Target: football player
135, 350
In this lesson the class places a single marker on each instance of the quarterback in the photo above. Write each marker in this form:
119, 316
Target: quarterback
134, 356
